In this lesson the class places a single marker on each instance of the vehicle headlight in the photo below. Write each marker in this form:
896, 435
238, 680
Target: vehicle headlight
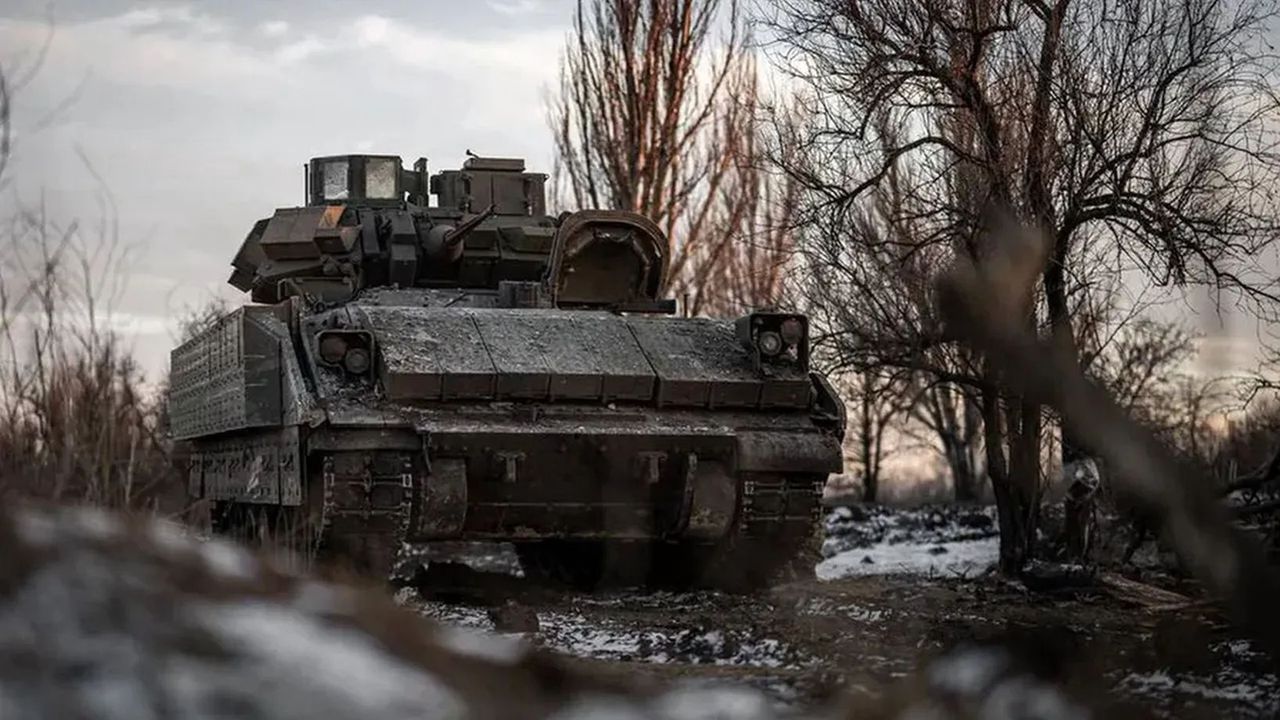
770, 343
356, 361
333, 348
776, 337
351, 350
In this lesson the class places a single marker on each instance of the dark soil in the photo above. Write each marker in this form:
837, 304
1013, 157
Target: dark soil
806, 642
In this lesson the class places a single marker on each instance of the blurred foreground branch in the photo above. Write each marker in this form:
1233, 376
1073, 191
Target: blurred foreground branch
977, 300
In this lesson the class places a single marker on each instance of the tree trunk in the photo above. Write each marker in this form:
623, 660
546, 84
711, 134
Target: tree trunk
1019, 517
964, 475
1015, 481
1024, 485
956, 428
870, 461
870, 487
961, 449
1080, 503
972, 432
998, 470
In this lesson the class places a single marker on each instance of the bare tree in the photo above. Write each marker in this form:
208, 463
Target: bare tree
656, 114
1142, 126
876, 401
953, 414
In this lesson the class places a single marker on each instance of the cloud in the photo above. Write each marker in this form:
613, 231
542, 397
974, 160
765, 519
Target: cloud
131, 324
1222, 354
179, 47
274, 28
152, 47
516, 7
181, 20
119, 323
372, 29
491, 83
529, 53
299, 50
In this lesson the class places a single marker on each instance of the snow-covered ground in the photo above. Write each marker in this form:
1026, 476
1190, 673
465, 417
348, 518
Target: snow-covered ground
589, 635
962, 558
931, 541
578, 635
1256, 691
1230, 686
871, 629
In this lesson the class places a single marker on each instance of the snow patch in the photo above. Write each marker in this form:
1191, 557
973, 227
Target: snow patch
473, 643
991, 680
169, 536
225, 559
1259, 692
1238, 649
679, 703
455, 615
713, 703
94, 524
1024, 697
594, 707
968, 673
342, 665
862, 526
963, 558
578, 636
318, 598
820, 607
36, 529
406, 597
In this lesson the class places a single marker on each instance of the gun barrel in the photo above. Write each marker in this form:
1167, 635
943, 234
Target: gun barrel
458, 233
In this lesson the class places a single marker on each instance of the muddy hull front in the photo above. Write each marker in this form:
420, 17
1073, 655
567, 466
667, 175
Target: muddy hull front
512, 475
504, 424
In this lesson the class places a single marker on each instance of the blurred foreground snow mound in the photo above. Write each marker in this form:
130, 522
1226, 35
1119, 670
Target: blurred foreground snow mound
107, 618
942, 540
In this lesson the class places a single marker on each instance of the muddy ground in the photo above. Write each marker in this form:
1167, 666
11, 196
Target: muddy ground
894, 592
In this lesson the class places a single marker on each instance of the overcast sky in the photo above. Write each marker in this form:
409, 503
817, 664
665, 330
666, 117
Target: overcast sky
198, 116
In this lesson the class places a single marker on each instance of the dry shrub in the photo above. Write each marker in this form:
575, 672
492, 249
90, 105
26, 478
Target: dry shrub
80, 427
78, 423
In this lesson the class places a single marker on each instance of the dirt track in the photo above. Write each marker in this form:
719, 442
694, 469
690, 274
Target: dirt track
805, 641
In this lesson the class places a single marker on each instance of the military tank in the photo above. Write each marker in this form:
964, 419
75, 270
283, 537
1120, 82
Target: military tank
475, 369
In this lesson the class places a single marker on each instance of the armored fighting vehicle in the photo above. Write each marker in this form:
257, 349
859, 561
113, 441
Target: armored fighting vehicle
475, 369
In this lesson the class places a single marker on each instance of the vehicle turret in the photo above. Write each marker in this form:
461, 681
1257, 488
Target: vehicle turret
368, 223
